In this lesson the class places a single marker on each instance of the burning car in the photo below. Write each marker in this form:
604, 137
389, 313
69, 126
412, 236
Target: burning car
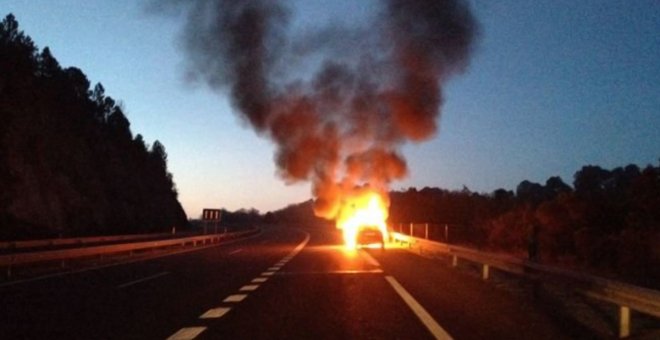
369, 236
362, 220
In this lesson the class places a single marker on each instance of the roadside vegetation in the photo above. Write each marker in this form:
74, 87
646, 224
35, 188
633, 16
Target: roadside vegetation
69, 163
608, 221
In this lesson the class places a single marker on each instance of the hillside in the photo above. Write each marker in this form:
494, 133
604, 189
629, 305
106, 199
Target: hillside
69, 163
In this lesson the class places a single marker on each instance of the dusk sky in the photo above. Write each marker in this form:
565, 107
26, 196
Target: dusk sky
551, 86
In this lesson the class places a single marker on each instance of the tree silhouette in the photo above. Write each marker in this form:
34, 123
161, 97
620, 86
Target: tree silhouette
69, 164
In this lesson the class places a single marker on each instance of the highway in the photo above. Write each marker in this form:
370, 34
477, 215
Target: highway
280, 284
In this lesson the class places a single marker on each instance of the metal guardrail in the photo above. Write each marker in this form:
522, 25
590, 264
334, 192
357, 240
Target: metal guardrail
625, 296
77, 241
11, 260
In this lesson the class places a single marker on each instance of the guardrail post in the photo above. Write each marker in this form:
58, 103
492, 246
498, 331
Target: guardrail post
446, 233
411, 229
484, 272
426, 231
454, 261
624, 321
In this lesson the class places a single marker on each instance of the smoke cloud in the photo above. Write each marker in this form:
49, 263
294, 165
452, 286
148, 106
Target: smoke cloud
340, 119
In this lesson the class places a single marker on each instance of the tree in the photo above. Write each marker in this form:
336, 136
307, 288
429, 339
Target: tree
68, 162
590, 180
555, 186
48, 65
530, 192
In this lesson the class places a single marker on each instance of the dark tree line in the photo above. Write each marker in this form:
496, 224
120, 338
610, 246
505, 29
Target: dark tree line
69, 164
609, 220
297, 215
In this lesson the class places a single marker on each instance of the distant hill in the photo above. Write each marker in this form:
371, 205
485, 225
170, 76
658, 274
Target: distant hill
69, 163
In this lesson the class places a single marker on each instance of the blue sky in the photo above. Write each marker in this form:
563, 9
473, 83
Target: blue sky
552, 86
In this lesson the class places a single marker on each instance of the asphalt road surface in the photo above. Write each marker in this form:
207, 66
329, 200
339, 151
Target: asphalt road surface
284, 283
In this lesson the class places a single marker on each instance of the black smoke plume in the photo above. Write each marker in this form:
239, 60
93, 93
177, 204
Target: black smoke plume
339, 122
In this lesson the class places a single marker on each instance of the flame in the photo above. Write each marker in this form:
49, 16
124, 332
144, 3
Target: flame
365, 209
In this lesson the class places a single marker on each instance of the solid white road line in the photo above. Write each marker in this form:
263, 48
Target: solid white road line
155, 276
235, 298
426, 318
187, 333
236, 251
372, 261
215, 313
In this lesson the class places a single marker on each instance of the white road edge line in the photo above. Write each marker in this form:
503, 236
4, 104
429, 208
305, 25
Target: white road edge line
236, 251
187, 333
372, 261
155, 276
426, 318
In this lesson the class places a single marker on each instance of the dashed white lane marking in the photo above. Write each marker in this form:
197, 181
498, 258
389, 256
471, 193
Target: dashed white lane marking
249, 288
215, 313
236, 251
235, 298
426, 318
372, 261
187, 333
155, 276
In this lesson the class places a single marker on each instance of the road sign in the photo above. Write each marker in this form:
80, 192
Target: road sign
211, 214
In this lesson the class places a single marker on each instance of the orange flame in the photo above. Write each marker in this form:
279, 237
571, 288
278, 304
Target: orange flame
364, 210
